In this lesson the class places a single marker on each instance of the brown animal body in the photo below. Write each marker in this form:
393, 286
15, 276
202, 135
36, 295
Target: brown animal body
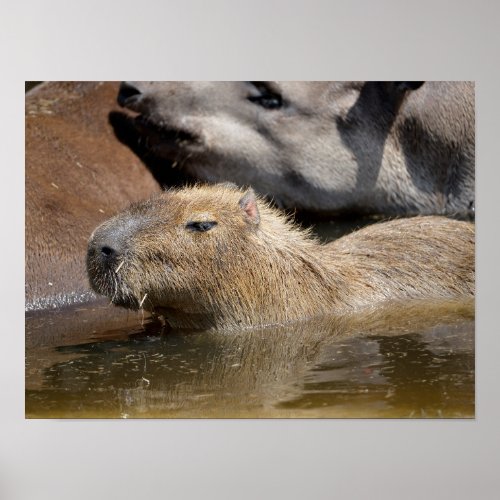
77, 175
214, 256
323, 147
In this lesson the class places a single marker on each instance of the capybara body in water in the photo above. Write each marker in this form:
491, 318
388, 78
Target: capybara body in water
323, 147
216, 256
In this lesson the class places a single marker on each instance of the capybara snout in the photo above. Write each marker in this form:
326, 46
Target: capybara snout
112, 239
108, 249
108, 245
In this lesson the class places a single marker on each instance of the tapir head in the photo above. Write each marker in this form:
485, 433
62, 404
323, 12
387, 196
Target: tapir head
319, 146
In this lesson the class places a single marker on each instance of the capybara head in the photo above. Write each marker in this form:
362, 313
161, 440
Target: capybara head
193, 252
329, 147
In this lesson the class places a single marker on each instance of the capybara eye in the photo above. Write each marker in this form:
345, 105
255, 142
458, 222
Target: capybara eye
201, 226
266, 98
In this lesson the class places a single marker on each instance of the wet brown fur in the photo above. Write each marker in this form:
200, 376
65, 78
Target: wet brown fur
257, 270
77, 175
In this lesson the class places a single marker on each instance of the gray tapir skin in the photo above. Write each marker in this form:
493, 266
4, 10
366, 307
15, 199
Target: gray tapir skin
395, 148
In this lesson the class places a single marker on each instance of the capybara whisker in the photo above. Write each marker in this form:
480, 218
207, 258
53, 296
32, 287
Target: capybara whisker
220, 257
115, 288
119, 267
142, 301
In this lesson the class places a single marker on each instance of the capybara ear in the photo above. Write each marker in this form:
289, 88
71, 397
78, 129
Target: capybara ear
249, 205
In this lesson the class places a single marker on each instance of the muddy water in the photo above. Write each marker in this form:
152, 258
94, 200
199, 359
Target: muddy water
411, 360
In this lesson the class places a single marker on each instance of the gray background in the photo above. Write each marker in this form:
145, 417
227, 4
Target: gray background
273, 39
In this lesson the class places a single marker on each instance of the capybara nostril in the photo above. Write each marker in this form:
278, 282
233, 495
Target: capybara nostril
103, 253
108, 251
107, 246
111, 241
127, 92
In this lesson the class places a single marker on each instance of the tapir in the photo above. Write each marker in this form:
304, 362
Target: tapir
393, 148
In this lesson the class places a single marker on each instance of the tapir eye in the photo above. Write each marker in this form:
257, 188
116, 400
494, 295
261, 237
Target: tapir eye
200, 226
266, 97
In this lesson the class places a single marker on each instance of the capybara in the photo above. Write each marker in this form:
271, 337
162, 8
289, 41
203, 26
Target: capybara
396, 148
217, 256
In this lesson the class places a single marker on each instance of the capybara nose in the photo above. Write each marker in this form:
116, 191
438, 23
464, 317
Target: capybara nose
106, 253
112, 240
128, 94
107, 247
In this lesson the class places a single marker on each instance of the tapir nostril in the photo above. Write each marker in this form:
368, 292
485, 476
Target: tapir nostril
126, 92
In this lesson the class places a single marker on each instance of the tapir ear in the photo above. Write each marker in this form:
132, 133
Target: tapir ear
402, 86
248, 204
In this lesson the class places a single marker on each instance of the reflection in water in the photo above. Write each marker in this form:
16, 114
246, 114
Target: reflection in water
426, 374
412, 362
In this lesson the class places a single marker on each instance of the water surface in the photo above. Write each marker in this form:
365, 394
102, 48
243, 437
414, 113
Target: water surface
312, 369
